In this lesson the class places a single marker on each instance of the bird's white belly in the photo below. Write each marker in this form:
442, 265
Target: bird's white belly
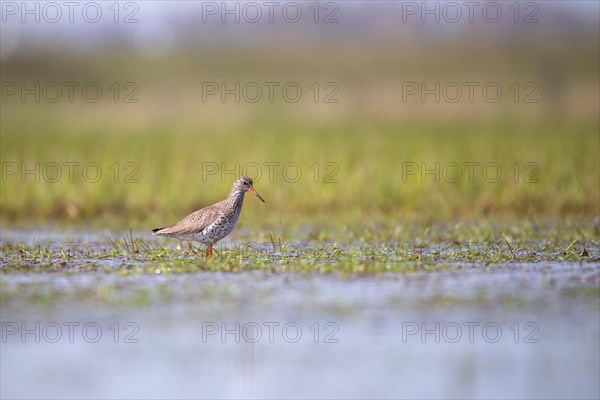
215, 231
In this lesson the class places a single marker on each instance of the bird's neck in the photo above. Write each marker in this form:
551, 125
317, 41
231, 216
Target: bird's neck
235, 198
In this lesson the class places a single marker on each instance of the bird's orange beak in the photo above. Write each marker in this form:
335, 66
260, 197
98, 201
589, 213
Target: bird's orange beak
254, 192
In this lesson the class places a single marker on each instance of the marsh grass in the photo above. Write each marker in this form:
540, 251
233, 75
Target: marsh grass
154, 155
545, 174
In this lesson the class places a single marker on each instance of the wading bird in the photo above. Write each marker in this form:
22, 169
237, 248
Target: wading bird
211, 224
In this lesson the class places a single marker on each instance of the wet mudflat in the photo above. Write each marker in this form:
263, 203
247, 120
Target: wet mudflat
375, 320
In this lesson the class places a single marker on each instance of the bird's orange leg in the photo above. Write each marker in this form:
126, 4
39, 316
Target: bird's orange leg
209, 251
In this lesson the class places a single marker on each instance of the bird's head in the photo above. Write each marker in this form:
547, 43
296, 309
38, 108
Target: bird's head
245, 184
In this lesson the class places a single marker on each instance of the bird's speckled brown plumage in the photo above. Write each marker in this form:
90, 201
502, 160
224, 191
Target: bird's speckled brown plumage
211, 224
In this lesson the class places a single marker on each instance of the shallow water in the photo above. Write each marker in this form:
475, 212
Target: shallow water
513, 330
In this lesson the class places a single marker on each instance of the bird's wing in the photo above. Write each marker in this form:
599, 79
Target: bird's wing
193, 223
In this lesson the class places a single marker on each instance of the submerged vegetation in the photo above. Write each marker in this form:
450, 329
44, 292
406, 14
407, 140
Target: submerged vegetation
148, 273
134, 255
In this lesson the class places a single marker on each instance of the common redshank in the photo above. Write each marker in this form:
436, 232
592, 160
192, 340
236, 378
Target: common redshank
211, 224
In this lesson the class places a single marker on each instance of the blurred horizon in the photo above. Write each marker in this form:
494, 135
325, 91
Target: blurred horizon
153, 28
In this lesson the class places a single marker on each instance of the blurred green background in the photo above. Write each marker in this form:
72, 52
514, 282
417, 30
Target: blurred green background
157, 155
